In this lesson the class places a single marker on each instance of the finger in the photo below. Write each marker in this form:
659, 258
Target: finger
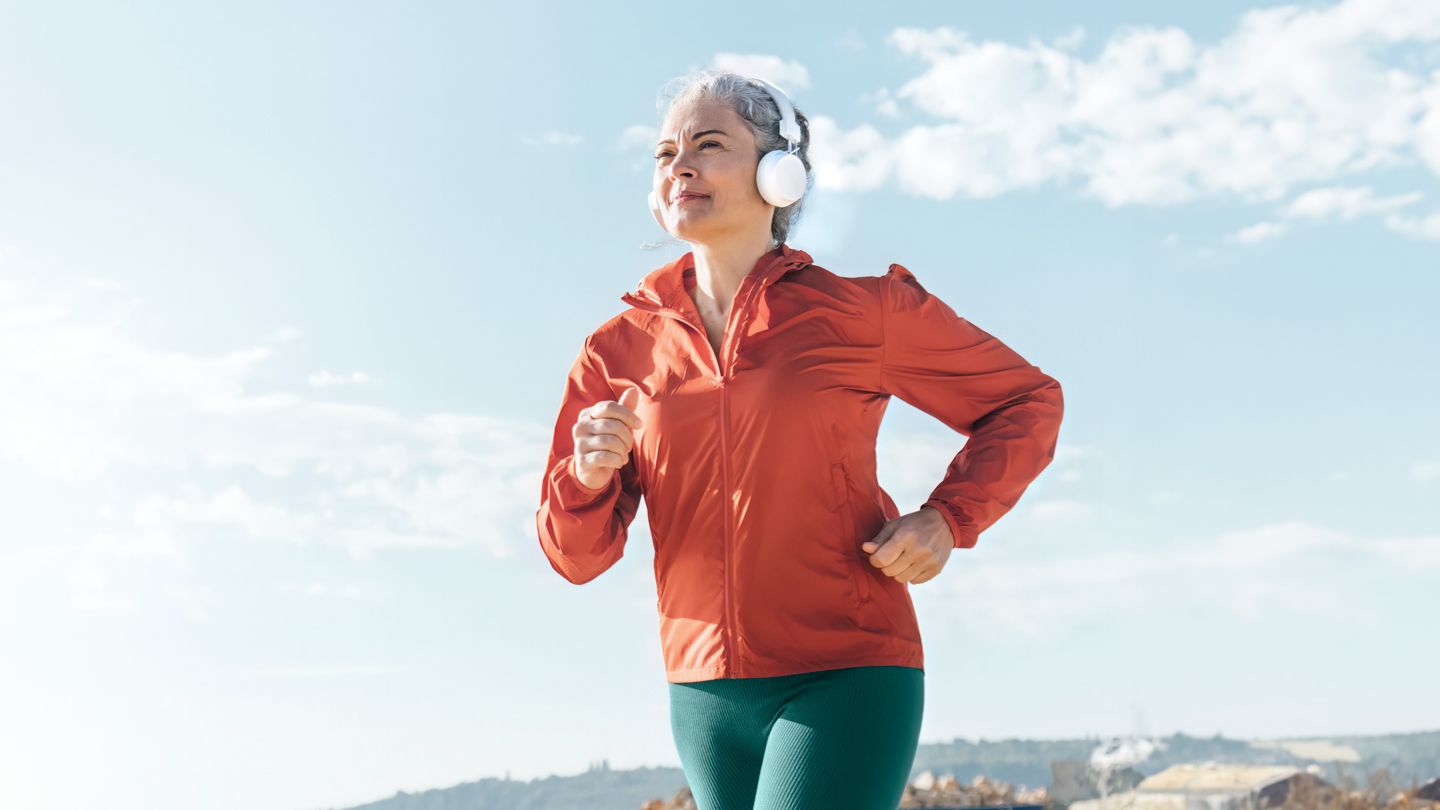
614, 410
926, 576
871, 545
917, 566
897, 553
610, 427
610, 424
610, 409
603, 458
605, 441
900, 563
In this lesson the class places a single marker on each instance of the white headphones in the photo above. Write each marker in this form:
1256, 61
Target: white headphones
780, 177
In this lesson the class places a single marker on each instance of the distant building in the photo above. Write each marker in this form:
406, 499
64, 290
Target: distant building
1207, 787
1074, 779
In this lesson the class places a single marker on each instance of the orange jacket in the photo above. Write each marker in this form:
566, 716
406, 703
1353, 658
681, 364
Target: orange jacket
758, 466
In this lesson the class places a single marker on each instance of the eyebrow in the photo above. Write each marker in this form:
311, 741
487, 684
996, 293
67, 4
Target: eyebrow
664, 141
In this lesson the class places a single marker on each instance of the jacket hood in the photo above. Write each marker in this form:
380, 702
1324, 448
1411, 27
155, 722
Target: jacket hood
664, 287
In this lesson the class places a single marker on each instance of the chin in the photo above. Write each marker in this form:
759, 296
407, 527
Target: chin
687, 234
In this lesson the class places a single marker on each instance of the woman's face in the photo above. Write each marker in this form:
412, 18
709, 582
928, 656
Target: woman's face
707, 149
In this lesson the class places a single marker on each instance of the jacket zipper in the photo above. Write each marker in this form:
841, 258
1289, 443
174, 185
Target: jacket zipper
722, 373
725, 483
728, 338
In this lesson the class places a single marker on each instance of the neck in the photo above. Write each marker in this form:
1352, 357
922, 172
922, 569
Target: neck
721, 266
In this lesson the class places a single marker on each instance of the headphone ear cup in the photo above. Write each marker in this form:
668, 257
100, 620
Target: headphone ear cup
780, 178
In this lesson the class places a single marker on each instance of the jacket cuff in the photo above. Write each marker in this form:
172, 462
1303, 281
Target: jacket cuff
961, 529
573, 496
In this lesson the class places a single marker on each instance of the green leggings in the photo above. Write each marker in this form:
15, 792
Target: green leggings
837, 739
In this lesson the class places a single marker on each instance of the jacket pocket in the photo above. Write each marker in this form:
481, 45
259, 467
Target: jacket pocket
854, 557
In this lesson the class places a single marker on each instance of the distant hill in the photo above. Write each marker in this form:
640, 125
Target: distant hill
596, 789
1407, 757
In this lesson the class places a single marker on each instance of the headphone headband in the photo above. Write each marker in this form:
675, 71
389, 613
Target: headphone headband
789, 129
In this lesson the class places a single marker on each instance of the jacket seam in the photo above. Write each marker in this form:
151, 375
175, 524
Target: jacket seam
572, 496
857, 576
599, 362
884, 328
912, 655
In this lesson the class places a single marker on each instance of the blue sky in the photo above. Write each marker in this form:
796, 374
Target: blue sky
287, 297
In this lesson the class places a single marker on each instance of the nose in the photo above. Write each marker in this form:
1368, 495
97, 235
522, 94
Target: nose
679, 167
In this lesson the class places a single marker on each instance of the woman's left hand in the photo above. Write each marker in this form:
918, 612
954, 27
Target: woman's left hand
912, 548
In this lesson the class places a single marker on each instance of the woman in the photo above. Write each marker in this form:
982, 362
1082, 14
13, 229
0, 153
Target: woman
741, 393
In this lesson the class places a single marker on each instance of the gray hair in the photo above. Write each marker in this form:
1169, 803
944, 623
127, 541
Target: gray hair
754, 104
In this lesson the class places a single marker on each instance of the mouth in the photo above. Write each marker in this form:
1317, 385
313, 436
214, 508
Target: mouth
683, 198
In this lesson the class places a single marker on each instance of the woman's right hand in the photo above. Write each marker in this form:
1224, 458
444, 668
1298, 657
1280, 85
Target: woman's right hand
604, 435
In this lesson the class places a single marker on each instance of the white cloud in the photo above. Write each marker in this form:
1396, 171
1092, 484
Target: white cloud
1056, 563
285, 334
159, 449
1070, 40
1259, 232
326, 379
881, 101
1426, 227
789, 76
1291, 96
1427, 132
1345, 203
850, 41
853, 159
641, 136
1293, 567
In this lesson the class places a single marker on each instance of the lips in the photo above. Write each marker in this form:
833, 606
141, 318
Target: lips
690, 195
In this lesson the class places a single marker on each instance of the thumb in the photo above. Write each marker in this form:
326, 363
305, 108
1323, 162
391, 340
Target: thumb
872, 545
630, 398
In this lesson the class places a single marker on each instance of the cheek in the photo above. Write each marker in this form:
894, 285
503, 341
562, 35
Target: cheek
740, 182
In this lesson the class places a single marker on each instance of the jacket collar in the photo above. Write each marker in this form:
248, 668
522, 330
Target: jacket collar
664, 288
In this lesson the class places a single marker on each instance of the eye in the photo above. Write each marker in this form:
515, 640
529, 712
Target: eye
702, 146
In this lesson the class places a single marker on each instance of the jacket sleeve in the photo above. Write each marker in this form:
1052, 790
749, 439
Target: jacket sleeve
1007, 408
582, 531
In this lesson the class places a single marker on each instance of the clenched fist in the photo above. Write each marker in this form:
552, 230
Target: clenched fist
604, 435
